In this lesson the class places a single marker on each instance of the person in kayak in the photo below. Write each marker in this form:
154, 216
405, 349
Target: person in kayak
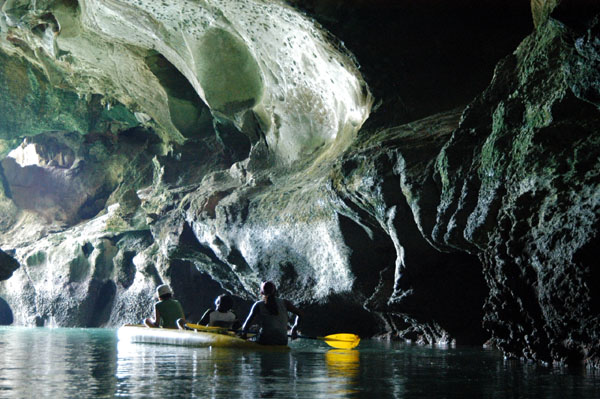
221, 316
168, 312
271, 314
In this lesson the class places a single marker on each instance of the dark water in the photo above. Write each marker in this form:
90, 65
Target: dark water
91, 363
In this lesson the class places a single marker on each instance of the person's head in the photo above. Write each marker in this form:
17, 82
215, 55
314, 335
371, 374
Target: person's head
267, 289
164, 292
224, 303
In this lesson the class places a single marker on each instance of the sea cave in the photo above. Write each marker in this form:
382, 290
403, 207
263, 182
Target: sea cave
426, 171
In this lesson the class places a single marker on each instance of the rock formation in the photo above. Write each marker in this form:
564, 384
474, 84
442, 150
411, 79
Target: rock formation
520, 188
416, 169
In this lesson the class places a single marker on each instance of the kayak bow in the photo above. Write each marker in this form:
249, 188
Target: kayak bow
165, 336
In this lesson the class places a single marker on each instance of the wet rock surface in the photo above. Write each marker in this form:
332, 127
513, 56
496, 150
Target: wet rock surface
520, 188
389, 196
465, 209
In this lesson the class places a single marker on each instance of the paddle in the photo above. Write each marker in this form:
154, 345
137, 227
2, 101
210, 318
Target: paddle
216, 330
340, 341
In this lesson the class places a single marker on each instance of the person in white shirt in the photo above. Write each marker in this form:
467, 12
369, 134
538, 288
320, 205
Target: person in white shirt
221, 316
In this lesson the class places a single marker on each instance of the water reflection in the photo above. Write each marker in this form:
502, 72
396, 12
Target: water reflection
343, 365
342, 362
142, 370
210, 372
78, 363
49, 362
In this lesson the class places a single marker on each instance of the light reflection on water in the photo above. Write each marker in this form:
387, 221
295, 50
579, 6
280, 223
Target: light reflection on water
91, 363
305, 372
56, 363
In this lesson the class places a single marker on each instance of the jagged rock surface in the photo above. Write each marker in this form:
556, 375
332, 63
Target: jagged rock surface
389, 197
520, 188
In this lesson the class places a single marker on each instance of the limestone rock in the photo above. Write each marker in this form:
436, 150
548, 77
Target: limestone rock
32, 103
541, 9
388, 193
519, 181
283, 72
66, 177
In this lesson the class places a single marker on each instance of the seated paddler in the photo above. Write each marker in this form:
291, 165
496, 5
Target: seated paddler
168, 312
271, 315
221, 315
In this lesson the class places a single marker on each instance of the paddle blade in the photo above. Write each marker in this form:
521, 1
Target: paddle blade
200, 327
342, 341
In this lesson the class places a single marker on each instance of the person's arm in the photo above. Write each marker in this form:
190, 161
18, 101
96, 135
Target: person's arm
153, 322
205, 320
181, 322
156, 316
249, 320
237, 324
299, 314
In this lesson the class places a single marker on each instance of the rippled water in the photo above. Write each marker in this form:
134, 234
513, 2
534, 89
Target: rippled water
91, 363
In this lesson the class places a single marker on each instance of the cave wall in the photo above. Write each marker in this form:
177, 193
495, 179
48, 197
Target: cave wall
519, 184
385, 184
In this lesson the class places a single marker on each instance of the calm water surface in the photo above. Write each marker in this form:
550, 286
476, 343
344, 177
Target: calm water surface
91, 363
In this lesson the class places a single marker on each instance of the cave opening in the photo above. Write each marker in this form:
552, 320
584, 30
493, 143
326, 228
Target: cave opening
71, 4
189, 246
102, 307
6, 314
196, 290
228, 72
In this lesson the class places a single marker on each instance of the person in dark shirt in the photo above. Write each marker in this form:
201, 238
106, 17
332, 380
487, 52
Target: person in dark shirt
168, 312
271, 314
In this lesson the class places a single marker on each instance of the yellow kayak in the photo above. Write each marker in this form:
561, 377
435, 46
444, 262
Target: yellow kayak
220, 338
